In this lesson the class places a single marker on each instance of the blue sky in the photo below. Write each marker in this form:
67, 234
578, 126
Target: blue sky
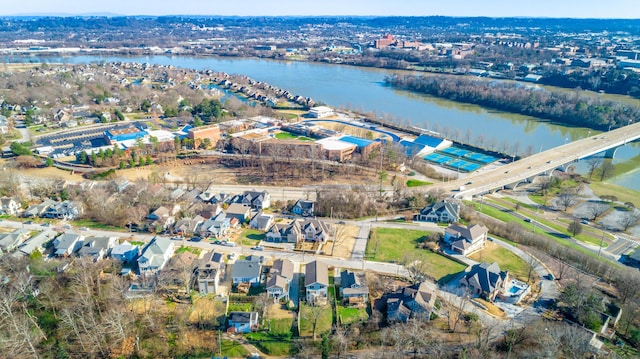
494, 8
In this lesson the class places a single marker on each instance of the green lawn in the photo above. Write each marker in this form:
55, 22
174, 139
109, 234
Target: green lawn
286, 136
393, 245
251, 237
506, 259
417, 183
325, 321
270, 344
240, 307
623, 194
193, 250
233, 349
280, 327
351, 315
91, 224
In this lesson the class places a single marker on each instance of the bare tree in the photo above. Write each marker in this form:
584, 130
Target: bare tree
597, 209
313, 314
566, 199
575, 227
606, 169
592, 164
532, 265
628, 219
339, 236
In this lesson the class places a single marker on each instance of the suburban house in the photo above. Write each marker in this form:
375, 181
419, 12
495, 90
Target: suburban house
261, 221
216, 260
67, 244
155, 255
315, 230
207, 278
353, 287
9, 206
162, 217
188, 226
61, 210
485, 280
125, 252
37, 242
239, 212
415, 301
37, 209
242, 322
254, 199
466, 240
280, 276
246, 271
11, 241
281, 233
442, 211
97, 247
216, 227
316, 282
303, 208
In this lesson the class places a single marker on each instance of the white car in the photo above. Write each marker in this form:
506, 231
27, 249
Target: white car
258, 248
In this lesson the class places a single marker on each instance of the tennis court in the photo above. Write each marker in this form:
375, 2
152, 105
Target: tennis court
455, 151
479, 157
463, 165
438, 158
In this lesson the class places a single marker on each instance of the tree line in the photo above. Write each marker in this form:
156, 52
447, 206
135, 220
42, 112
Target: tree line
569, 108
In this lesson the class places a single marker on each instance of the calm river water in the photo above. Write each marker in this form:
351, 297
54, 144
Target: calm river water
363, 89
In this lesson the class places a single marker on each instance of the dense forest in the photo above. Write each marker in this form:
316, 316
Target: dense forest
569, 108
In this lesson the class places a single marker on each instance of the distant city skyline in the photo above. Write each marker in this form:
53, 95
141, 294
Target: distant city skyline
492, 8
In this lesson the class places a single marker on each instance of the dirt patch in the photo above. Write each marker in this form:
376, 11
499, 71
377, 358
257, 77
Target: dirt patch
344, 247
6, 229
206, 308
278, 311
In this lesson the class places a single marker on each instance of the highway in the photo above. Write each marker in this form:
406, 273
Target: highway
543, 162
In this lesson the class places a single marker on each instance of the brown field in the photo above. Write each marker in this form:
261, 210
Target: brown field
344, 249
278, 311
206, 308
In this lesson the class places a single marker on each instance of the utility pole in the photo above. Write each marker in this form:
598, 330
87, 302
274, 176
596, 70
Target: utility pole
601, 244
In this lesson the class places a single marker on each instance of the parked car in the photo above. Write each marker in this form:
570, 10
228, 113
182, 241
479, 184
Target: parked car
28, 222
229, 244
258, 248
195, 239
217, 242
232, 256
176, 238
527, 219
584, 221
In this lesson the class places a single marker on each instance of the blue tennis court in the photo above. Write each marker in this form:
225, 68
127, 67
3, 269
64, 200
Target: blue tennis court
437, 158
457, 152
479, 157
463, 165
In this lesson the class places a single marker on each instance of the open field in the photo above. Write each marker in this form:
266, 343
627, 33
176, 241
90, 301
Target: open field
394, 245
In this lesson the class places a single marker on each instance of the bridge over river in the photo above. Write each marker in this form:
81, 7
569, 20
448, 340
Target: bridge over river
526, 169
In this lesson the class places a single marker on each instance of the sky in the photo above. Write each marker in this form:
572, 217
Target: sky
492, 8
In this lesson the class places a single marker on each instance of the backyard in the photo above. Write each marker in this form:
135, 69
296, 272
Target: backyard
307, 317
393, 245
251, 237
506, 259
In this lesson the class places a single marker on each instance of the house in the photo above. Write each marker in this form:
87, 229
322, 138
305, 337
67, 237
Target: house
125, 252
255, 199
303, 208
261, 221
207, 278
11, 241
280, 233
188, 226
67, 244
280, 276
353, 287
37, 209
442, 211
97, 247
216, 227
315, 230
416, 301
316, 282
485, 280
466, 240
320, 112
37, 242
239, 212
61, 210
9, 206
216, 260
162, 217
246, 271
155, 255
242, 322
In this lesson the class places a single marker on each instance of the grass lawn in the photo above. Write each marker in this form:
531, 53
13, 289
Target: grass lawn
623, 194
417, 183
91, 224
193, 250
506, 259
351, 315
392, 245
324, 324
240, 307
251, 237
269, 344
286, 136
233, 349
280, 327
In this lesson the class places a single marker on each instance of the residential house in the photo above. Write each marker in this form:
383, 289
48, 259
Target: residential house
466, 240
442, 211
67, 244
62, 210
155, 255
353, 287
303, 208
282, 233
37, 209
416, 301
37, 242
217, 227
125, 252
261, 221
242, 322
315, 230
239, 212
485, 280
188, 226
97, 247
216, 260
9, 206
280, 275
254, 199
162, 217
246, 271
316, 282
11, 241
207, 279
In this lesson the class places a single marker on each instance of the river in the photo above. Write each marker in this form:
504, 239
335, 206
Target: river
364, 90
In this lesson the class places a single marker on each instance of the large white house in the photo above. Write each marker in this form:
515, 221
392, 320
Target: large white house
155, 255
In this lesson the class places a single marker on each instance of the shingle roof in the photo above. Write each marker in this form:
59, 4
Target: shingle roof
246, 269
283, 267
485, 276
316, 272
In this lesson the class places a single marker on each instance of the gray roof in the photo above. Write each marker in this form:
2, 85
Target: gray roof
121, 249
12, 239
238, 209
243, 317
316, 272
155, 250
66, 241
246, 269
283, 267
485, 276
277, 281
37, 241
